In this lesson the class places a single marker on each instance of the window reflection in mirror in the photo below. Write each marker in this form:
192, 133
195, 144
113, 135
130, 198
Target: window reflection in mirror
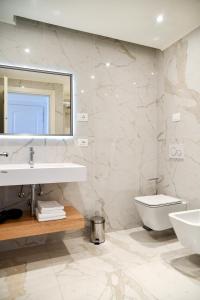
35, 102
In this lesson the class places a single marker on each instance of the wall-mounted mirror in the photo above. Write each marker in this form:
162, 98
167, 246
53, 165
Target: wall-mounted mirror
35, 102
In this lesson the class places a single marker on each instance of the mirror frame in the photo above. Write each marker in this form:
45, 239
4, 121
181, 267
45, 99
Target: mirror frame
53, 72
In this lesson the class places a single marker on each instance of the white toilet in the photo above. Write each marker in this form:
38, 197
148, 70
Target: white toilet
154, 210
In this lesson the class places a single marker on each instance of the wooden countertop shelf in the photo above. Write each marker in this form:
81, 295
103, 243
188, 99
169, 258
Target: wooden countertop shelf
29, 226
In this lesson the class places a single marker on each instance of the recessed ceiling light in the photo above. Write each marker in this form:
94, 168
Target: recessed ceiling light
152, 73
159, 18
134, 83
27, 50
92, 77
108, 64
82, 91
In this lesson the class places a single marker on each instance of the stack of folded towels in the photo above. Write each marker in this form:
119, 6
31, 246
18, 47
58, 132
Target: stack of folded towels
50, 210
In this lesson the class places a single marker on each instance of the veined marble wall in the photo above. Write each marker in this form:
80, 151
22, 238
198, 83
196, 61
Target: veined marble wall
122, 126
179, 91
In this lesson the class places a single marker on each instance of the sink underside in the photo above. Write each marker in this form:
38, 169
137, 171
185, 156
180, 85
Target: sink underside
18, 174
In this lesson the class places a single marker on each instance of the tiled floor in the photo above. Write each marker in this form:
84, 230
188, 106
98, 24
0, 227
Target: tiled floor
132, 264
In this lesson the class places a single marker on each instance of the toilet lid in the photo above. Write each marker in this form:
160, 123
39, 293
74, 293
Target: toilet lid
157, 200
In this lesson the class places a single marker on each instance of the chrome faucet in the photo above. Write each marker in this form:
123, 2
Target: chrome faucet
4, 154
31, 157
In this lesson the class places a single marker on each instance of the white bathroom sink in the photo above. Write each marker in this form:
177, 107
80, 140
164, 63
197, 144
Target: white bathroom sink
18, 174
187, 227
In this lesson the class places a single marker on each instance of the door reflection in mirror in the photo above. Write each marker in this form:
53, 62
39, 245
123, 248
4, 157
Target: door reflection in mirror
28, 113
35, 102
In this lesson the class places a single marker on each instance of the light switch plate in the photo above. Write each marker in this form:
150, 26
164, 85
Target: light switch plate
176, 117
82, 142
176, 151
82, 117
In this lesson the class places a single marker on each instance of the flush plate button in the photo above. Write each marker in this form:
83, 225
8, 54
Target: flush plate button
176, 151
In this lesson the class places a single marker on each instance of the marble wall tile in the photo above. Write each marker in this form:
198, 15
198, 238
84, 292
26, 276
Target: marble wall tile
122, 107
179, 91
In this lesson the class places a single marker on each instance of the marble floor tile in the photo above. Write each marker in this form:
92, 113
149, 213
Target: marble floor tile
163, 282
131, 265
145, 245
52, 293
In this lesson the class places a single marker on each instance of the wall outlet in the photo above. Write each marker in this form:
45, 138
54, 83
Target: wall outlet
82, 142
176, 117
176, 151
82, 117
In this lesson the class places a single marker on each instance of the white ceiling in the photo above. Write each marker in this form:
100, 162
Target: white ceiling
128, 20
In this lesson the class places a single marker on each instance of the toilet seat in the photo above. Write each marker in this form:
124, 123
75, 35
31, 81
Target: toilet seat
157, 200
154, 210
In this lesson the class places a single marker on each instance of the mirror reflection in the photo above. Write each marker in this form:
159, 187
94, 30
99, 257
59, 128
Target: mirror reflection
35, 102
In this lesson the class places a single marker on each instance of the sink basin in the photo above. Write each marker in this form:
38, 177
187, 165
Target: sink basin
18, 174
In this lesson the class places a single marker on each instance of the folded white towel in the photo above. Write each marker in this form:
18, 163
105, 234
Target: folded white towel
47, 206
49, 217
52, 213
49, 214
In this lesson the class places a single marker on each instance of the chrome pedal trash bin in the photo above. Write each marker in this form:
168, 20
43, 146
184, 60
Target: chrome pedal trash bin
97, 230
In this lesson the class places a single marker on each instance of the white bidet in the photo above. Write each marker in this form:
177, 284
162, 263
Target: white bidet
187, 227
